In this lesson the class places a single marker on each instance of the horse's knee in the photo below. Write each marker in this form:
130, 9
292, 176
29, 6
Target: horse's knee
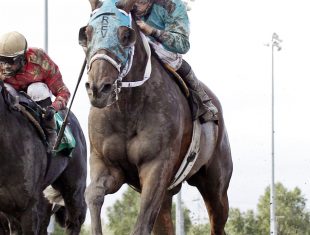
94, 194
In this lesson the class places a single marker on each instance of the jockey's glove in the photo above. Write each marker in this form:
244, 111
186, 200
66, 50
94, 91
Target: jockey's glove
145, 28
49, 113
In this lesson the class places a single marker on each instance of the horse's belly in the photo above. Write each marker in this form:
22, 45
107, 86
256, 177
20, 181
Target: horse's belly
208, 141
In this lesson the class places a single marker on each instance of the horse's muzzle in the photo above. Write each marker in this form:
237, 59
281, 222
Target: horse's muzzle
99, 95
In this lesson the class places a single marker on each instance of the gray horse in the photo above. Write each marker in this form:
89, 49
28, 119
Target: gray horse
140, 134
26, 170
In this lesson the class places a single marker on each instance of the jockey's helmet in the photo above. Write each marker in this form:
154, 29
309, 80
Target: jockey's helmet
13, 46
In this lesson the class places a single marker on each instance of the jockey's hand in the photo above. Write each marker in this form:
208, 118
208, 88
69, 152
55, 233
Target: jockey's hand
145, 28
2, 75
49, 113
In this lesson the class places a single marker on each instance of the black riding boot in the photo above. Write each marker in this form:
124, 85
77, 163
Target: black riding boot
51, 133
207, 111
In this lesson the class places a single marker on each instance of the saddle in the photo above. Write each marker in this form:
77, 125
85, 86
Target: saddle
33, 112
190, 96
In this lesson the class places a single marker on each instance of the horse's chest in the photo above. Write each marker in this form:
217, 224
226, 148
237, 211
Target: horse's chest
117, 147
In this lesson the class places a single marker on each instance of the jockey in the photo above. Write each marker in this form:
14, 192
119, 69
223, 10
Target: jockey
32, 70
167, 26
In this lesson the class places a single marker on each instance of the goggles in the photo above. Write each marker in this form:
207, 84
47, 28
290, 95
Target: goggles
11, 60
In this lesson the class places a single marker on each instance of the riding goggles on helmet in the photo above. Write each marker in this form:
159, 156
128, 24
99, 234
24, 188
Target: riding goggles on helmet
11, 60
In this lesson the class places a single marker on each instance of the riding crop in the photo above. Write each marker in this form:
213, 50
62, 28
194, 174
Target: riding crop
65, 122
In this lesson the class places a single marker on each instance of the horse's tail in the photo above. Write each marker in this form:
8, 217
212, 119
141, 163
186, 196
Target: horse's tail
60, 216
53, 196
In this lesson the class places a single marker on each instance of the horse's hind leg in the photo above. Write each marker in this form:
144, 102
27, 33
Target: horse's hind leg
213, 188
72, 191
163, 224
104, 181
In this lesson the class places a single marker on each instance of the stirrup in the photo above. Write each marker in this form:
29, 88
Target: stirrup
208, 116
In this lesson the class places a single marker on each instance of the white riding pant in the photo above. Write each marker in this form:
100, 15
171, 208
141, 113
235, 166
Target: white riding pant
37, 91
171, 58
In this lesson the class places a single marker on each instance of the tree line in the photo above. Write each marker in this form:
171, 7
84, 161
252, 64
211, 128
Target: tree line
293, 217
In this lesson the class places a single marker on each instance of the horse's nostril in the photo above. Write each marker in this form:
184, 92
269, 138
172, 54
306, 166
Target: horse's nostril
106, 88
87, 85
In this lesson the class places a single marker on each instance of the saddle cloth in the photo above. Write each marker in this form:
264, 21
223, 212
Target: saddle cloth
68, 142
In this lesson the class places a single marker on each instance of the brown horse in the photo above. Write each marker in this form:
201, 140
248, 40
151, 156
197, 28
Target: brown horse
139, 134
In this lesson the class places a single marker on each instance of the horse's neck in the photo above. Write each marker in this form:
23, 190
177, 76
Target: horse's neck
136, 73
3, 106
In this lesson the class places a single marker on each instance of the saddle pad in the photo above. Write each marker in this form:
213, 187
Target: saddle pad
68, 142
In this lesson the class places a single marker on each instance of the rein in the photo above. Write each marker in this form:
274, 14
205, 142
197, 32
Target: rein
118, 84
148, 68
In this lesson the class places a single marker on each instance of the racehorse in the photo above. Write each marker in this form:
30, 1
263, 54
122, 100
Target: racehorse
140, 127
26, 170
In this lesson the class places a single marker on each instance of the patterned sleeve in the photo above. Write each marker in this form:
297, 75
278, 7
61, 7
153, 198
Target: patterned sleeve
175, 36
55, 83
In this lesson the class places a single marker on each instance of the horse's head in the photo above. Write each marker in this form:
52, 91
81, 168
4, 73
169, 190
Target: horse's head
108, 41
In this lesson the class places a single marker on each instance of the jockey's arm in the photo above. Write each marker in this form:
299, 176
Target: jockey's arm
174, 35
55, 83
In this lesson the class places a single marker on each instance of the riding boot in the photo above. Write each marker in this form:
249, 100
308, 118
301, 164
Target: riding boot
207, 111
51, 133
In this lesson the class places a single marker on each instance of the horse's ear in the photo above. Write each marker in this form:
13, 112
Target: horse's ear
95, 4
125, 5
83, 37
126, 36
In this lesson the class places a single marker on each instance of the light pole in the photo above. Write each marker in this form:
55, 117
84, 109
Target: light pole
275, 43
51, 225
46, 26
179, 215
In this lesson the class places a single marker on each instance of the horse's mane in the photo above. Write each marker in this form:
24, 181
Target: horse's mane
7, 97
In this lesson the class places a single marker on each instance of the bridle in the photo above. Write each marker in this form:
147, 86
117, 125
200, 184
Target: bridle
124, 70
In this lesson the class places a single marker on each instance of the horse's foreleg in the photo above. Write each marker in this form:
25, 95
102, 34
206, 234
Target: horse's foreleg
94, 196
104, 180
72, 189
154, 177
164, 224
75, 207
